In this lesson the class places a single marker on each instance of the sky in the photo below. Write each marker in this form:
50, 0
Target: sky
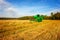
19, 8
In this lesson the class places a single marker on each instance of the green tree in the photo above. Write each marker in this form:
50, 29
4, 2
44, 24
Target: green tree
53, 17
57, 15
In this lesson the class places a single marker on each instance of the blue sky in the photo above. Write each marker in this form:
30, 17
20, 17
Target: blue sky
18, 8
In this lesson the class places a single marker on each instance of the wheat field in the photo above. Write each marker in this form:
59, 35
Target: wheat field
29, 30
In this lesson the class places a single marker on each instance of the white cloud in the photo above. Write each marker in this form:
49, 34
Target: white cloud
54, 11
6, 9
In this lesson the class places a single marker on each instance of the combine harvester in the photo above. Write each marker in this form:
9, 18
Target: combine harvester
38, 18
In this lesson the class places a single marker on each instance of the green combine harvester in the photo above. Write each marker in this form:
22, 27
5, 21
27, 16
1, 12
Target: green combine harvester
38, 18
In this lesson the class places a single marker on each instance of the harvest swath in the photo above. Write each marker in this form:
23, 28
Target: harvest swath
28, 30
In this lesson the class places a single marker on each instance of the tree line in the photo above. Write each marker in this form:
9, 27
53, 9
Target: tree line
53, 16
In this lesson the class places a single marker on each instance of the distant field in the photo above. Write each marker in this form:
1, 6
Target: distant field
29, 30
